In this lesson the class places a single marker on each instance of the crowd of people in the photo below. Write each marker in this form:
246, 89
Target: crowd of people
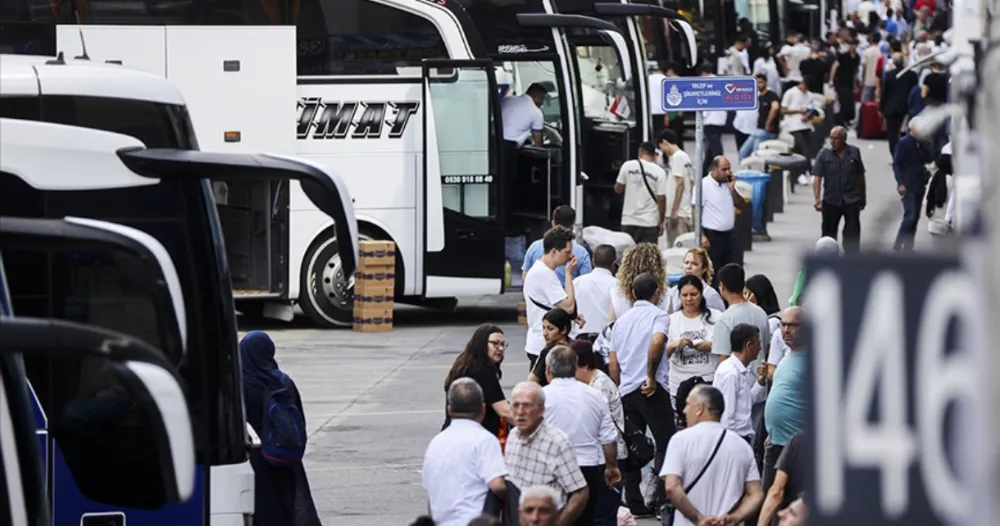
701, 385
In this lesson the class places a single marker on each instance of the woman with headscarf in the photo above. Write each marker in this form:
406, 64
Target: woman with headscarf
826, 247
281, 494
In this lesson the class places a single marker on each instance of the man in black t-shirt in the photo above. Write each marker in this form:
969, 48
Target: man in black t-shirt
844, 79
768, 117
789, 480
815, 69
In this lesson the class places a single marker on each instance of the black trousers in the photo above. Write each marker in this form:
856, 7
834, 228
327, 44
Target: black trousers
723, 248
642, 234
713, 147
677, 124
851, 215
656, 413
845, 94
893, 125
771, 454
740, 139
601, 509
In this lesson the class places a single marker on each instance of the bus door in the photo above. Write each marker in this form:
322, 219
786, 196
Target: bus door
572, 27
463, 224
116, 277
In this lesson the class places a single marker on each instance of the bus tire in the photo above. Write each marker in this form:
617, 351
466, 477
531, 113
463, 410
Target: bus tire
325, 297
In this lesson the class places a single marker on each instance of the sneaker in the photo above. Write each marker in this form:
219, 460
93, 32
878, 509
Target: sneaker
640, 512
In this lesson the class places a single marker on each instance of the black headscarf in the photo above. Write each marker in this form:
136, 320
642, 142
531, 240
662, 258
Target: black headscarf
257, 356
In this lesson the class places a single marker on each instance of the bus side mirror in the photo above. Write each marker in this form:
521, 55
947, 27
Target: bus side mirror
139, 378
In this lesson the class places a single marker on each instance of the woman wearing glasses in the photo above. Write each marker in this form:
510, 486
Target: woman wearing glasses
481, 361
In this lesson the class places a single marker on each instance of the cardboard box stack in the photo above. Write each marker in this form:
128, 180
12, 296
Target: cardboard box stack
522, 313
374, 286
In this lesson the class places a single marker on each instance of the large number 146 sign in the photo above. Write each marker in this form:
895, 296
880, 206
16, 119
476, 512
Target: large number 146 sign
894, 391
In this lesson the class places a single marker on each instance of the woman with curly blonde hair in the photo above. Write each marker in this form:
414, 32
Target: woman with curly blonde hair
639, 258
697, 263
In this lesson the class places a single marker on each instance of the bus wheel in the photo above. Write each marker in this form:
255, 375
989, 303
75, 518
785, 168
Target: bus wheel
328, 297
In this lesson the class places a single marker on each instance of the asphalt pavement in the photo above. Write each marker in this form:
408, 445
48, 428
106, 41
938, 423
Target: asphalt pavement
374, 401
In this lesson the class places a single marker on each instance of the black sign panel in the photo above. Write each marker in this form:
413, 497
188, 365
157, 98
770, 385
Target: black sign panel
892, 390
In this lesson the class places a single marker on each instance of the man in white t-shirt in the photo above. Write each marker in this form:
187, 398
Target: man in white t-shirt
719, 202
797, 109
792, 54
522, 116
542, 290
679, 185
729, 490
644, 184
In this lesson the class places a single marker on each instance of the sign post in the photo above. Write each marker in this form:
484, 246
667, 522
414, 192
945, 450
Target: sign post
701, 94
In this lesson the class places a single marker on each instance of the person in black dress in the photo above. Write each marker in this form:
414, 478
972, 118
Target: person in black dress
556, 325
480, 360
281, 495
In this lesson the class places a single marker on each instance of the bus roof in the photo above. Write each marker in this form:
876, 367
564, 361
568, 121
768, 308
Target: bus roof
22, 75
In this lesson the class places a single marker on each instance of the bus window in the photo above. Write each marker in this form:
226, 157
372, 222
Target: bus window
137, 12
544, 73
599, 71
94, 418
360, 37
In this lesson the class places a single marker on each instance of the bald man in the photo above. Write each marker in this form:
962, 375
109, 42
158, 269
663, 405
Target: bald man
720, 200
784, 415
839, 189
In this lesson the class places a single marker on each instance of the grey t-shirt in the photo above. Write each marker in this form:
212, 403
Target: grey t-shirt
736, 314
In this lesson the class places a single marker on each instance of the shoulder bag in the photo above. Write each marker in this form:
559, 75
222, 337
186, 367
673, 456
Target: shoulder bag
641, 450
645, 181
668, 510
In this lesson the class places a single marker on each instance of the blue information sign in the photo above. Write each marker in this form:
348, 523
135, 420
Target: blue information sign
709, 93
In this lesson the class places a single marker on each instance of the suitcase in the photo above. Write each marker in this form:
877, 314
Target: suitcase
872, 125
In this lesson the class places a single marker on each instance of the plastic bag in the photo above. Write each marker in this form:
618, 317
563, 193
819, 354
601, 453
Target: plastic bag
594, 236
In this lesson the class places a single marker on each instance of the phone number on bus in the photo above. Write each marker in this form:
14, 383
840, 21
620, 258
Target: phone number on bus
465, 179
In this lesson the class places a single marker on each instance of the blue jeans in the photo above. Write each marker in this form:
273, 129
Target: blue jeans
754, 141
912, 202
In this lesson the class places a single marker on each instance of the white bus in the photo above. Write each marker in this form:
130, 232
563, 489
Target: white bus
135, 371
400, 97
99, 141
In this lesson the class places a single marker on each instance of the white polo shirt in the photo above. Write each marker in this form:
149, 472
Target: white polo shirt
681, 172
520, 118
581, 411
542, 285
794, 99
593, 297
630, 341
740, 390
717, 209
458, 465
715, 118
721, 487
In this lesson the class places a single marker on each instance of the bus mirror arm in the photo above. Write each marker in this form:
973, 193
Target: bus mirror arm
617, 42
615, 9
141, 369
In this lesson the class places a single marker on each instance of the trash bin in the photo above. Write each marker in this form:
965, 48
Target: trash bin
744, 229
672, 279
758, 181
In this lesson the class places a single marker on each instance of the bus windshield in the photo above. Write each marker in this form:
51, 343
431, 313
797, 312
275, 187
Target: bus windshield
603, 96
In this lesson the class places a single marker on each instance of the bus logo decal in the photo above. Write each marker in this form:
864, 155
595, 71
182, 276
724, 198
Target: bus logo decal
328, 119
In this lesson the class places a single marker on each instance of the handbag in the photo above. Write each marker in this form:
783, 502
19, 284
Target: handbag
641, 450
668, 510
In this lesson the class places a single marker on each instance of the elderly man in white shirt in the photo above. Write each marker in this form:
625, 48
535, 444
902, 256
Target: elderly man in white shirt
710, 474
741, 388
583, 414
463, 463
593, 290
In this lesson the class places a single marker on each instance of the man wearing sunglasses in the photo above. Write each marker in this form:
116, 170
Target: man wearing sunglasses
784, 415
